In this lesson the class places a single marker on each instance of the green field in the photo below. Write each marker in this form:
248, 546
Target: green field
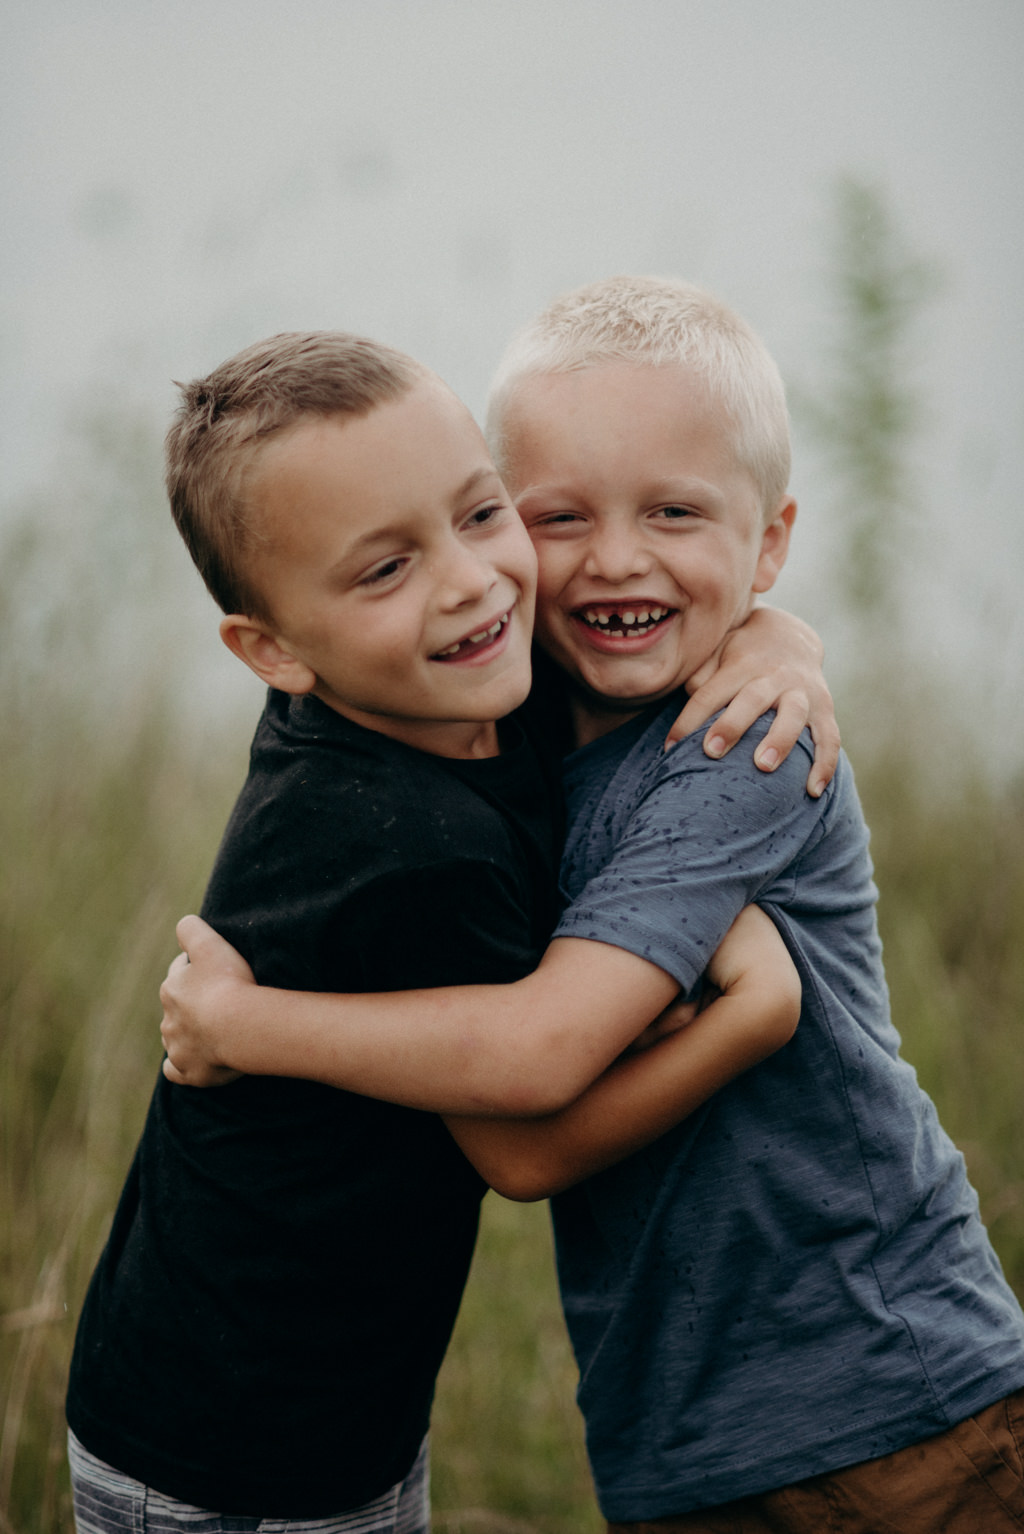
107, 838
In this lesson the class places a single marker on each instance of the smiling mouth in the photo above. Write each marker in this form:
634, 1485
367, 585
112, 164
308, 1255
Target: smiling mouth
475, 642
630, 621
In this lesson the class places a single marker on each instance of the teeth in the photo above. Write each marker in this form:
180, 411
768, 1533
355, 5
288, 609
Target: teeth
478, 638
630, 619
486, 633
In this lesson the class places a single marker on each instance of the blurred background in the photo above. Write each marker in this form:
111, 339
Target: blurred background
179, 180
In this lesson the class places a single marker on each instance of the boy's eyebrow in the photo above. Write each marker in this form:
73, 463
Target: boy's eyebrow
485, 471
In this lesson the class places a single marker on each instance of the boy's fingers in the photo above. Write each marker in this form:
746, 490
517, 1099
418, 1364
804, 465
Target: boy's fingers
784, 731
204, 947
190, 932
178, 963
200, 1076
709, 698
745, 709
827, 742
793, 711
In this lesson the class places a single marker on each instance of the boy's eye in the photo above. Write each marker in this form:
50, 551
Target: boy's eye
383, 573
484, 514
554, 519
675, 513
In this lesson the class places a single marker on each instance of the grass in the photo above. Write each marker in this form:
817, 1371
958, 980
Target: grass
108, 822
507, 1438
951, 874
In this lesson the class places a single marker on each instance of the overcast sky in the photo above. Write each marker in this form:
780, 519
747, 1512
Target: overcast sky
181, 178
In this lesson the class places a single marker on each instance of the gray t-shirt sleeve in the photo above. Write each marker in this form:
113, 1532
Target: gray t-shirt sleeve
694, 841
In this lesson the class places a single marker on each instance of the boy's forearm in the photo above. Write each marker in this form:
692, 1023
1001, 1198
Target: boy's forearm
523, 1049
642, 1096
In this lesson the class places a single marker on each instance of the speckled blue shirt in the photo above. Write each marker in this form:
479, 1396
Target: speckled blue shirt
796, 1278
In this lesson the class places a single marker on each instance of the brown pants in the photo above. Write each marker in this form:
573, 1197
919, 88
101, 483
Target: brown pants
969, 1480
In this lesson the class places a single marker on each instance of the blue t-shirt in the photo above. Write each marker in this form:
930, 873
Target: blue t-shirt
795, 1278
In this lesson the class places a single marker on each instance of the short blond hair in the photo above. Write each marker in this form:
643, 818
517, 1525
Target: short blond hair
225, 418
658, 322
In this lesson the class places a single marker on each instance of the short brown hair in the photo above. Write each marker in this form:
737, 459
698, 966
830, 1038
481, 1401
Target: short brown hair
224, 418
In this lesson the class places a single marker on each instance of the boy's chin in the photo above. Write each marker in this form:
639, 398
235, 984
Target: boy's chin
505, 700
516, 698
625, 703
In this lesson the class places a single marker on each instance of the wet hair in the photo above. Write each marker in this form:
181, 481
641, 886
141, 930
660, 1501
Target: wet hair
658, 322
224, 420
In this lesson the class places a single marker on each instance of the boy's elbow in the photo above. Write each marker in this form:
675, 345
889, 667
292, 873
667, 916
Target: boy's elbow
521, 1190
526, 1179
523, 1162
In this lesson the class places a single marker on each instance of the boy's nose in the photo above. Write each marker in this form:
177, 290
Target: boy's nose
615, 554
467, 577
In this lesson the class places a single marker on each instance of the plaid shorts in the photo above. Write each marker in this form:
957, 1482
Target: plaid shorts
109, 1502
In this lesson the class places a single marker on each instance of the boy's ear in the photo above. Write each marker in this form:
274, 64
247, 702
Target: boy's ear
265, 654
775, 545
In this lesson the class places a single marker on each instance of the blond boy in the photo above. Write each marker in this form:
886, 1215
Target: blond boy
787, 1314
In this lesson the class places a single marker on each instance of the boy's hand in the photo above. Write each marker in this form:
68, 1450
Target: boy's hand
773, 661
192, 999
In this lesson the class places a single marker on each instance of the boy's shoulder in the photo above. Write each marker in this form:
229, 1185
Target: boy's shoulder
327, 801
632, 762
730, 798
309, 761
628, 796
339, 830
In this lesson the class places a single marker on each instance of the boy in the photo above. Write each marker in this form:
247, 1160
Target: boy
786, 1313
263, 1331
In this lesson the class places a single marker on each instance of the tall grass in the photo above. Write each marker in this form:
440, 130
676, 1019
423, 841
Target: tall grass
101, 852
950, 868
108, 821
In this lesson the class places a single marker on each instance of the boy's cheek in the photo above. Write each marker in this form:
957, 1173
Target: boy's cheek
555, 639
546, 615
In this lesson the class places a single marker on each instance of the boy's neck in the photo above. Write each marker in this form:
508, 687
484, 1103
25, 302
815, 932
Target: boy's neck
592, 719
462, 740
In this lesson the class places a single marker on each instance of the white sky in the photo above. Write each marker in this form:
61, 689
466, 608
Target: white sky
180, 178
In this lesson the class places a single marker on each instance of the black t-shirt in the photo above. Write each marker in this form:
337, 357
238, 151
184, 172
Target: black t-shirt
265, 1325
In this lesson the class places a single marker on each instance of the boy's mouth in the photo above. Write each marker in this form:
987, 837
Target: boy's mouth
476, 643
627, 620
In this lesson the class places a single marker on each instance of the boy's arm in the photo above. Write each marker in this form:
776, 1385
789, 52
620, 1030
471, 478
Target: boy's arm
643, 1095
528, 1048
772, 661
531, 1047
